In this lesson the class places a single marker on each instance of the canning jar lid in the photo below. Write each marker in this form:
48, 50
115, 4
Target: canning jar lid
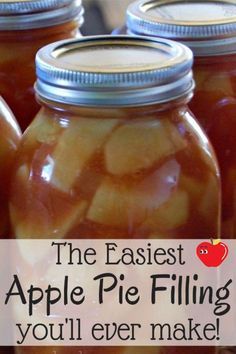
30, 14
114, 71
208, 27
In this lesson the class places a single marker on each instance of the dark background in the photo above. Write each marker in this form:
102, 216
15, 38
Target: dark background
103, 16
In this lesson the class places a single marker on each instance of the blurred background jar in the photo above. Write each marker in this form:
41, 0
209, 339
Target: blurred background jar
209, 29
10, 135
115, 151
26, 26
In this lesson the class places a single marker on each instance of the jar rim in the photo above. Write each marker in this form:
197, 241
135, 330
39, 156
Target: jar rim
114, 71
209, 32
25, 15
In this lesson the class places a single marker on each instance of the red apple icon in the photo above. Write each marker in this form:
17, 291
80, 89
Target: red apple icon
212, 254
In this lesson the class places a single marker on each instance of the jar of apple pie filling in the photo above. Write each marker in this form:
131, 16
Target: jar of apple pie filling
10, 135
209, 29
114, 151
25, 27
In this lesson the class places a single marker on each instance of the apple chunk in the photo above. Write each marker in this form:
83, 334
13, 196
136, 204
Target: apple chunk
193, 186
172, 214
43, 130
125, 205
77, 145
111, 205
139, 145
38, 226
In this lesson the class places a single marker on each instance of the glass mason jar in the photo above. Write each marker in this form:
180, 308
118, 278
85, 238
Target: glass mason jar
209, 29
10, 135
25, 27
115, 151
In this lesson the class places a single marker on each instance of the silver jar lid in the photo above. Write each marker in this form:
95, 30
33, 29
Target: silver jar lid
207, 27
114, 71
31, 14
